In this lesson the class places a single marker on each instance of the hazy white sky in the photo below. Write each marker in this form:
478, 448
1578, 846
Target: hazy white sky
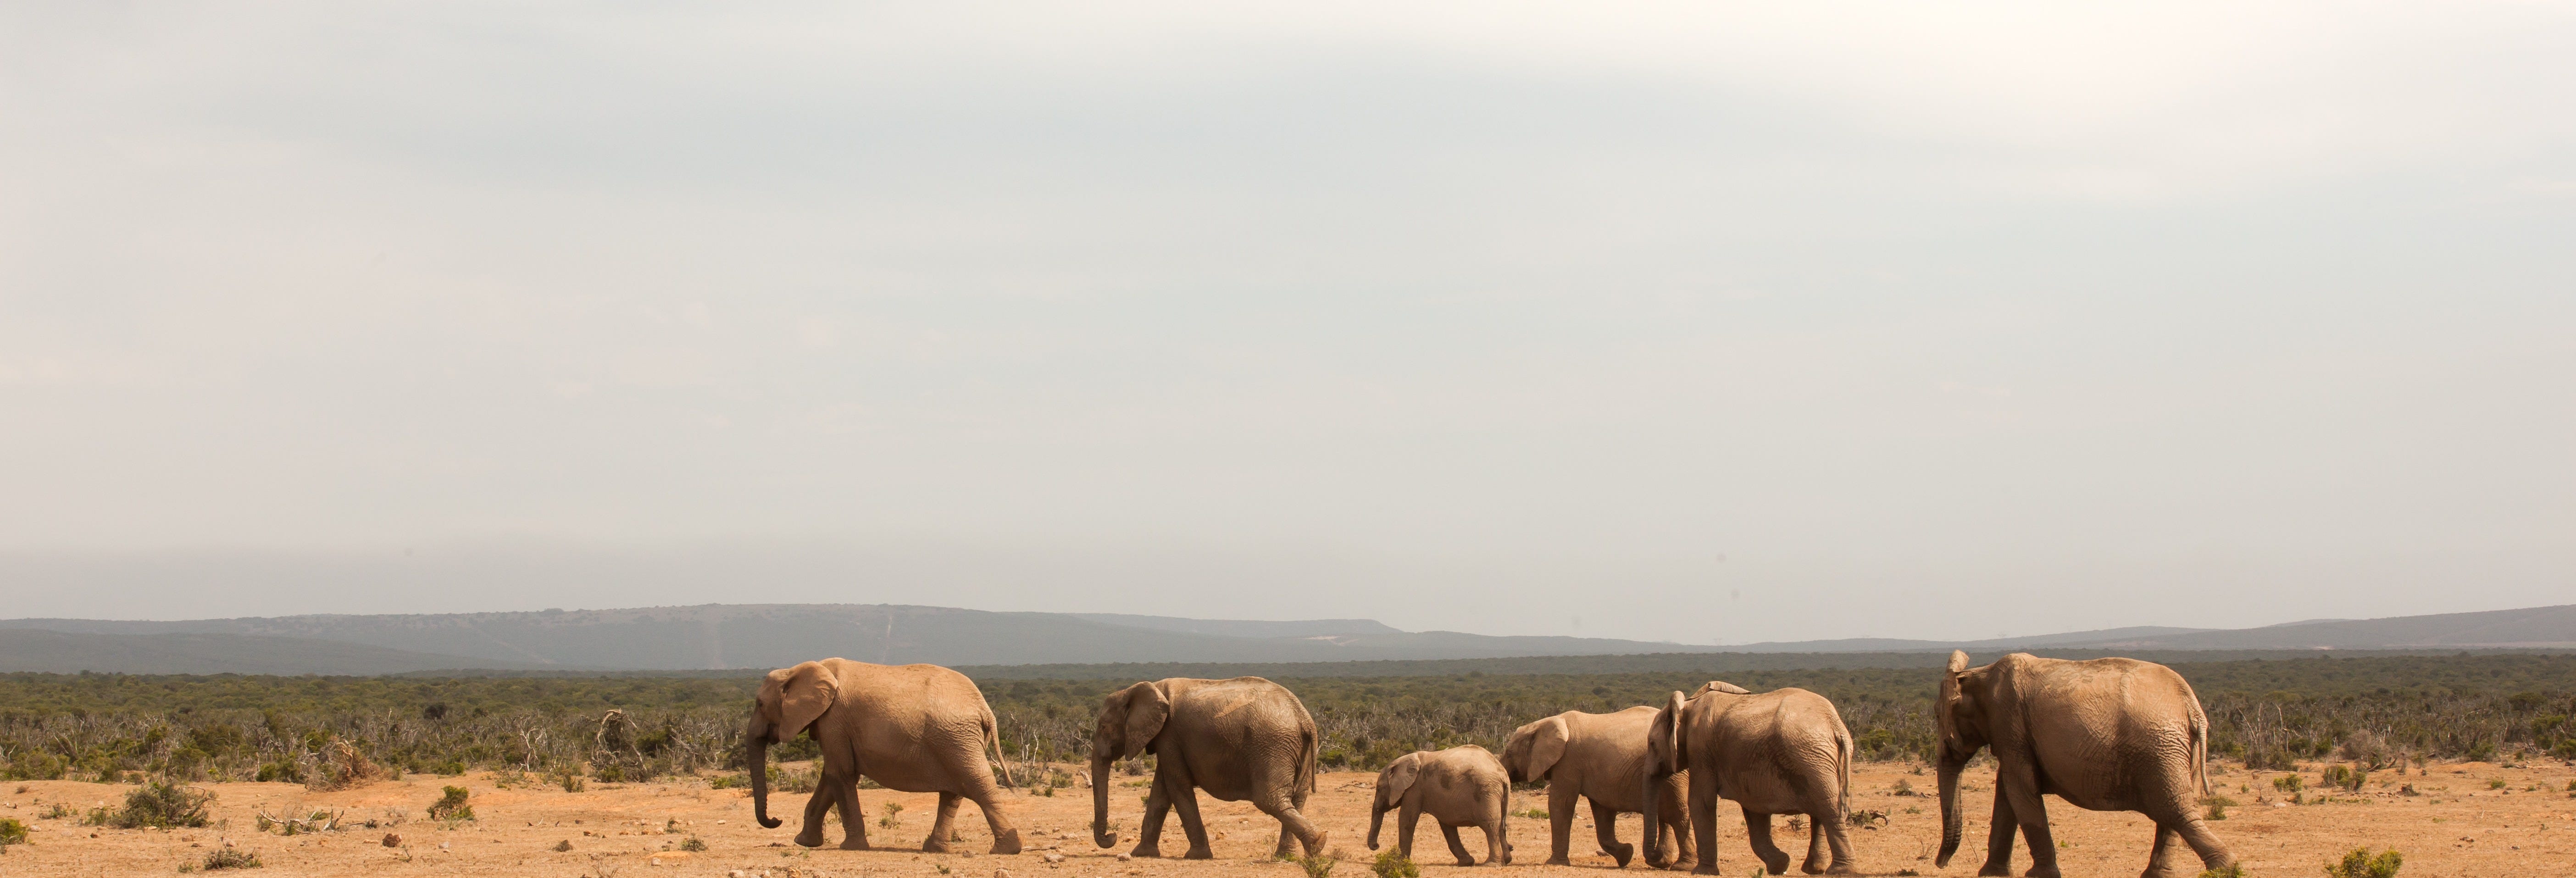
1700, 322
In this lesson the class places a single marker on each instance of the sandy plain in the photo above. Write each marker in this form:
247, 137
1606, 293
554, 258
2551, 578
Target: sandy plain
2458, 822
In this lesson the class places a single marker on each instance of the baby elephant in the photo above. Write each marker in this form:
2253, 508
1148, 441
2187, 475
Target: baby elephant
1460, 786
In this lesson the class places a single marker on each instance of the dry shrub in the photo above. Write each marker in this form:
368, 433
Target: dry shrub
342, 767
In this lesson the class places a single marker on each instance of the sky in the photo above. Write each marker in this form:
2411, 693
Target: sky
1708, 323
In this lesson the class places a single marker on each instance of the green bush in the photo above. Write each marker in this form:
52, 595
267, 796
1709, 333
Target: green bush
2289, 783
2359, 863
159, 805
2230, 870
1391, 864
1317, 866
12, 832
728, 781
452, 806
2348, 779
693, 844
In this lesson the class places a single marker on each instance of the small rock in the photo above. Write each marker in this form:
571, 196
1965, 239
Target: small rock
1054, 857
1125, 857
442, 845
392, 840
1001, 873
563, 845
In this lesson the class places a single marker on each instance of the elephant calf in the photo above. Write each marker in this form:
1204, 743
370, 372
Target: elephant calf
1596, 757
1785, 751
1460, 786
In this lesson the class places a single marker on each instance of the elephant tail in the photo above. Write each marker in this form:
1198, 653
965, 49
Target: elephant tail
993, 743
1306, 760
2200, 747
1843, 764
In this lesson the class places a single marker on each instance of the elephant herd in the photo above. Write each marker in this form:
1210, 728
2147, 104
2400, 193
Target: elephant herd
2105, 734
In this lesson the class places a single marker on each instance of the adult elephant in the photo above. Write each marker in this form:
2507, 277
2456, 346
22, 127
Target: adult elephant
914, 728
1597, 757
1785, 751
1461, 786
1241, 739
2108, 734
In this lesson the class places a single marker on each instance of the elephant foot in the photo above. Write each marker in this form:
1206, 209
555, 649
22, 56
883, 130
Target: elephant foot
933, 845
1147, 851
1006, 843
1776, 867
1704, 870
1842, 869
1995, 870
1199, 852
1559, 861
854, 844
2047, 871
1623, 854
806, 840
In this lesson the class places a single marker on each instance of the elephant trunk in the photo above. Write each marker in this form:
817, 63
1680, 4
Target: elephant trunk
1951, 818
1377, 816
756, 741
1654, 814
1100, 833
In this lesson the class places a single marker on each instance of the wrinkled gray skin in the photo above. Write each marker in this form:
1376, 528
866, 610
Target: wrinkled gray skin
1781, 752
1241, 739
2108, 734
914, 728
1598, 757
1460, 786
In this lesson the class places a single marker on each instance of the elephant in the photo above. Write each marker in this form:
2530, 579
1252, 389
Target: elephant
2109, 734
1241, 739
914, 728
1460, 786
1597, 756
1785, 751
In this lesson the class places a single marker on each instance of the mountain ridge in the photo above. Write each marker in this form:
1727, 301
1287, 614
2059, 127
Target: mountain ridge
738, 636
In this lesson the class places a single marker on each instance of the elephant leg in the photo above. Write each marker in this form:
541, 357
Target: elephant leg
1498, 848
1999, 838
1405, 816
2160, 857
1757, 832
2020, 784
1677, 825
1185, 804
1835, 826
1293, 825
1703, 819
1814, 864
1560, 822
2178, 820
1149, 831
854, 823
943, 825
817, 807
1457, 848
1605, 828
987, 795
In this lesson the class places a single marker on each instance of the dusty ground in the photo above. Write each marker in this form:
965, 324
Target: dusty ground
2456, 826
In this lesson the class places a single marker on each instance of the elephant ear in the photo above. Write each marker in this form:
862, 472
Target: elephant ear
1147, 709
1668, 727
1547, 745
1399, 777
1945, 711
804, 693
1722, 686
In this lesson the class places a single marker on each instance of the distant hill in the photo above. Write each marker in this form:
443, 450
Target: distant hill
729, 636
207, 653
774, 635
